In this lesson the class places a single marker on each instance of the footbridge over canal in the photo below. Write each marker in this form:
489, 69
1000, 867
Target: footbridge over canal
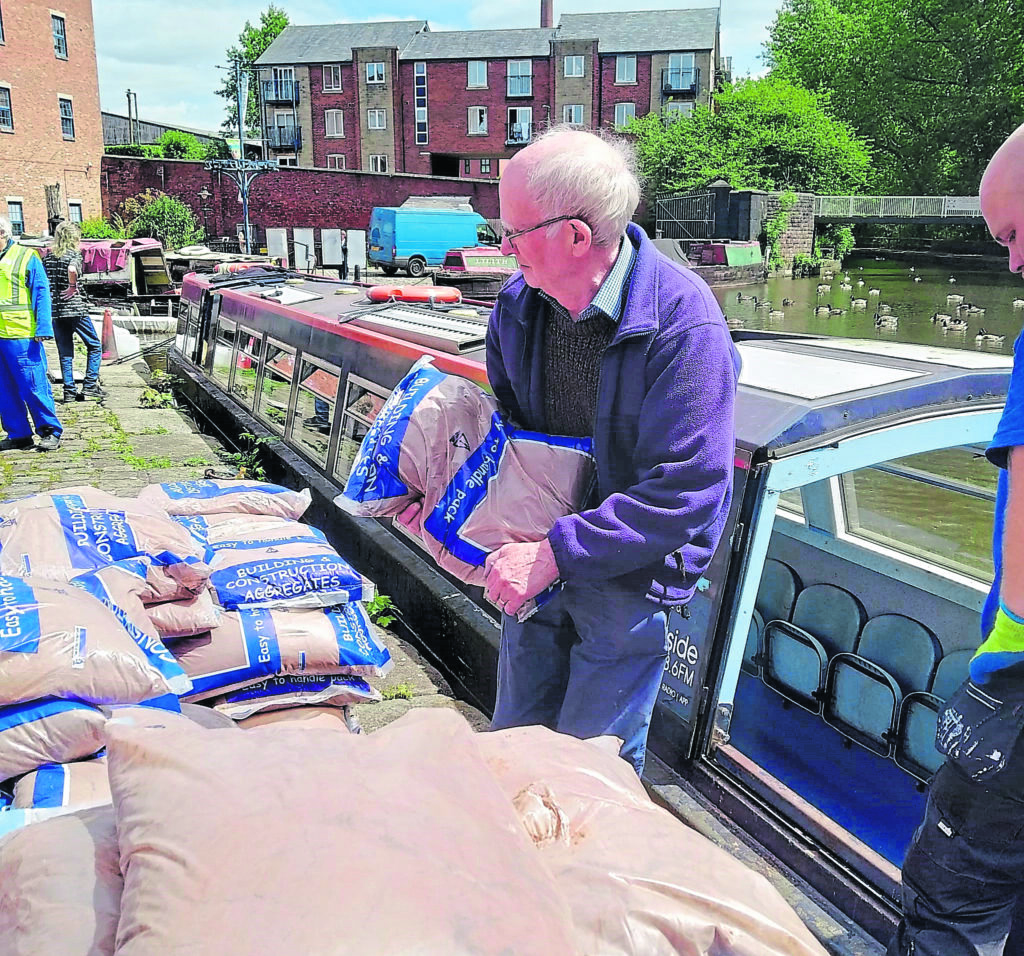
853, 210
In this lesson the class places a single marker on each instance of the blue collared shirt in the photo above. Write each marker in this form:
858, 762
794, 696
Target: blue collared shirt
39, 288
610, 298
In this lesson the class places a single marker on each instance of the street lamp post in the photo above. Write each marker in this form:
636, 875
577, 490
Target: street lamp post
204, 207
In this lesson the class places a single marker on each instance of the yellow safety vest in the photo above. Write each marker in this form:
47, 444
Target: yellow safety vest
17, 320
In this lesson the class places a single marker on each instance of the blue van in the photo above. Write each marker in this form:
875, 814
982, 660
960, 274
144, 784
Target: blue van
412, 238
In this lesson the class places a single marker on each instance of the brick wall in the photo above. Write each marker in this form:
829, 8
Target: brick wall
35, 153
799, 234
638, 93
344, 100
310, 198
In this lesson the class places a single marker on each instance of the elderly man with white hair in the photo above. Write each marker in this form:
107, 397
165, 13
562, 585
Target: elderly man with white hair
600, 335
25, 323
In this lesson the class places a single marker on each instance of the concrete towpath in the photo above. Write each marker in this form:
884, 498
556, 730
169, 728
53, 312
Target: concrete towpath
123, 444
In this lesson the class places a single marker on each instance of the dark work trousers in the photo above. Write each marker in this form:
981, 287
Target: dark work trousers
588, 663
964, 872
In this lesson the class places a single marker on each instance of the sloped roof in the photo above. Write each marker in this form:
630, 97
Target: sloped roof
643, 30
479, 44
333, 42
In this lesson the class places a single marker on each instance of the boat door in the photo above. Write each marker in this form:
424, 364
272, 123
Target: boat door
685, 689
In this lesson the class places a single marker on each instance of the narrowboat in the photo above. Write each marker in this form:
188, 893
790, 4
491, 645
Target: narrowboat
804, 678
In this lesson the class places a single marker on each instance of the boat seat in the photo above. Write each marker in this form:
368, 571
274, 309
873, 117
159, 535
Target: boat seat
895, 656
826, 621
777, 592
752, 652
914, 749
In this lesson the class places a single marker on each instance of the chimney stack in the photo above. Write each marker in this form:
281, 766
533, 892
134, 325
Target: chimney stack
546, 14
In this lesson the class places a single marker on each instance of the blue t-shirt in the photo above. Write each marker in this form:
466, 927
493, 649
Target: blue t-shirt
1009, 434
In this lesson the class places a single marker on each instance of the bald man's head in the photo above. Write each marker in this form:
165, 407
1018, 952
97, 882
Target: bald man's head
1002, 197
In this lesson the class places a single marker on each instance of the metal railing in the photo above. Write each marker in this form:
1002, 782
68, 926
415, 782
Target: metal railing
897, 207
519, 133
280, 91
685, 217
284, 137
678, 80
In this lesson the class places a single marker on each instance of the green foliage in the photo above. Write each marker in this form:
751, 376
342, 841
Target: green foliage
776, 226
175, 144
765, 134
100, 228
252, 43
151, 398
397, 692
217, 149
838, 238
247, 461
936, 84
125, 149
169, 220
382, 610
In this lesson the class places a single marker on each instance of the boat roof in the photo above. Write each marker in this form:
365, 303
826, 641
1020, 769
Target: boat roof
796, 391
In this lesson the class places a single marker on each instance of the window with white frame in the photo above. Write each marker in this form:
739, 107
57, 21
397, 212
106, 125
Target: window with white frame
677, 108
375, 72
376, 119
477, 121
573, 66
332, 76
16, 213
485, 166
625, 68
573, 113
420, 101
624, 112
6, 113
334, 123
467, 166
378, 162
67, 117
74, 210
335, 160
287, 161
520, 78
477, 75
60, 37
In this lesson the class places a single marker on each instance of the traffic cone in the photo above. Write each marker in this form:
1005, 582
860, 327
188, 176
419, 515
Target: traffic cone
109, 342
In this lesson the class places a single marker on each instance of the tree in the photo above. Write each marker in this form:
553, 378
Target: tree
766, 134
252, 43
162, 217
175, 144
935, 84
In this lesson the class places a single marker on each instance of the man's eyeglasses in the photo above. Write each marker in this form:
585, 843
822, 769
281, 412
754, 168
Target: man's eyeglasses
512, 236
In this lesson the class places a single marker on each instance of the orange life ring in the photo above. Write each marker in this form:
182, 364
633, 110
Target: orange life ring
444, 294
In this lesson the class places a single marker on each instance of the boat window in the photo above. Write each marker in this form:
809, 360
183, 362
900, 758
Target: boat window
363, 400
936, 506
276, 385
224, 353
187, 343
314, 409
243, 385
791, 504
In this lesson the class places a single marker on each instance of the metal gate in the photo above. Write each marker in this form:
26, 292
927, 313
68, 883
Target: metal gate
690, 216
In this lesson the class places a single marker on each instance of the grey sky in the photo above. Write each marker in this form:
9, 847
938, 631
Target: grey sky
167, 52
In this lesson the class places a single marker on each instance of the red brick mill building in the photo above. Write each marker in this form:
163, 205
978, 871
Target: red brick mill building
396, 97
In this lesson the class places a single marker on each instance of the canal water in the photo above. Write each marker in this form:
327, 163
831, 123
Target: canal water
912, 303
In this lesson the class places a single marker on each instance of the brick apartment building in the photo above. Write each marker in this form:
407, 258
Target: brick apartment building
50, 129
397, 97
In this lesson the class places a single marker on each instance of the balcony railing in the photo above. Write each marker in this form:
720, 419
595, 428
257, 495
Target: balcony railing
280, 91
519, 133
680, 81
284, 137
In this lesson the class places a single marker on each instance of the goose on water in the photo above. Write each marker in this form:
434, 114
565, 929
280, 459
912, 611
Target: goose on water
822, 289
740, 297
822, 310
954, 299
874, 291
837, 311
971, 309
989, 337
860, 282
846, 287
884, 309
858, 303
886, 321
762, 304
954, 325
1018, 303
776, 314
917, 279
940, 317
790, 302
952, 280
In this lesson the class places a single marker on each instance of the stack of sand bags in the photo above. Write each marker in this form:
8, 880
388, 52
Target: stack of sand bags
292, 632
521, 842
66, 657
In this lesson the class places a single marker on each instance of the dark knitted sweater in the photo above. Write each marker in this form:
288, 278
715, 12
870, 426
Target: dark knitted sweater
572, 366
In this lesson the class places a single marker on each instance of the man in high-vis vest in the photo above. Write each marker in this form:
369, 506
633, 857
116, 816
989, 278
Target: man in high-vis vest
25, 323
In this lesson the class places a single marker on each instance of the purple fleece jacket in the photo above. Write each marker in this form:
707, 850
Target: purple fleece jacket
663, 436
